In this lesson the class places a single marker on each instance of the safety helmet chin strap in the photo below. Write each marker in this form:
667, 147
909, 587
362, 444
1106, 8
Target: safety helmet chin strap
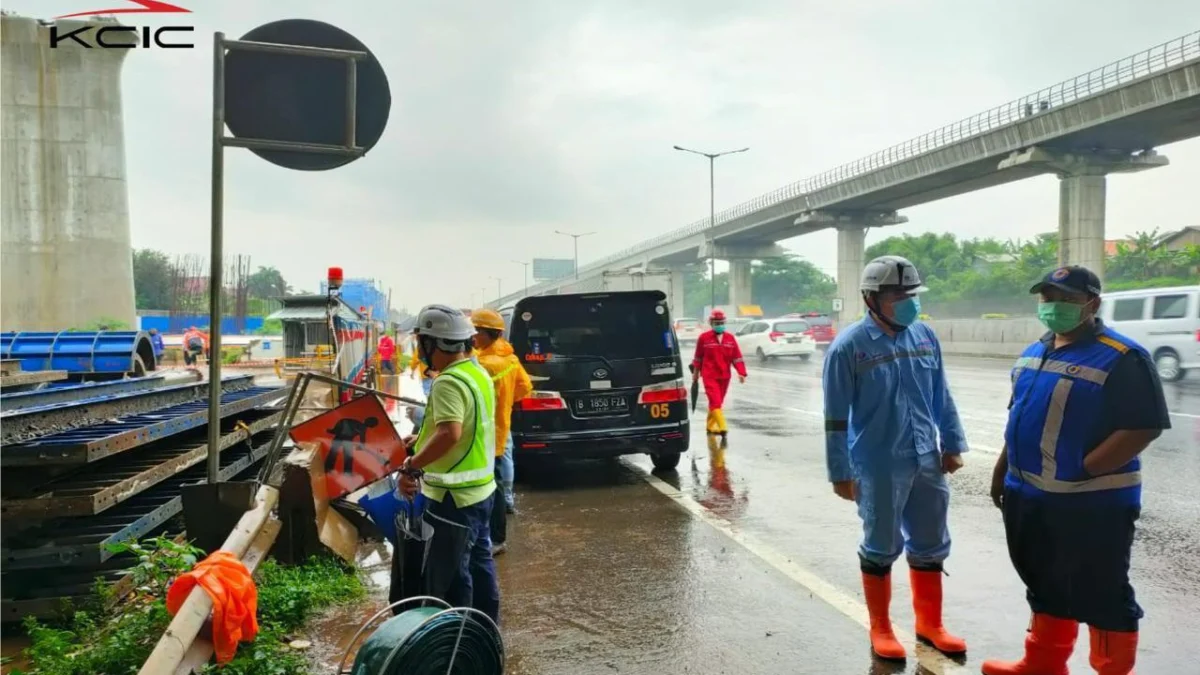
426, 345
877, 312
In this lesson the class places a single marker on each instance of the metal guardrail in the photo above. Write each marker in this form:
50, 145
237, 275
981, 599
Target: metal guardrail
1119, 73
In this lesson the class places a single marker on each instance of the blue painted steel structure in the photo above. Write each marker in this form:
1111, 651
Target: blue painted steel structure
85, 541
91, 443
75, 391
80, 353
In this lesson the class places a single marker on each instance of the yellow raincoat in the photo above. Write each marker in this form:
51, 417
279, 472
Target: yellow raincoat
512, 384
415, 363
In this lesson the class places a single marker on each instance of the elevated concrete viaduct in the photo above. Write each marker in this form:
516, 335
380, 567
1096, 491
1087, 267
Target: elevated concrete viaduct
1106, 121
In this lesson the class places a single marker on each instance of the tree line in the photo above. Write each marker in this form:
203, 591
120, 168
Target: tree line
159, 280
966, 278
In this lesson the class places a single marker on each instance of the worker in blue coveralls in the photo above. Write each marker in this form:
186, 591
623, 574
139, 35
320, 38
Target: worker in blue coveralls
892, 434
1086, 401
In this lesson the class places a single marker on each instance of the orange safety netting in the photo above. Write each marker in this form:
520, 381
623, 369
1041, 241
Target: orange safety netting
234, 597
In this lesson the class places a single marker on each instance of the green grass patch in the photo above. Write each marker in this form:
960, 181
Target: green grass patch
116, 638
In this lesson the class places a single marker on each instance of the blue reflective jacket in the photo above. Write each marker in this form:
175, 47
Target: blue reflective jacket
1057, 396
886, 398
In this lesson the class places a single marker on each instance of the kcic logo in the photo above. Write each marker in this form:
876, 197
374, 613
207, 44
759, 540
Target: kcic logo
125, 37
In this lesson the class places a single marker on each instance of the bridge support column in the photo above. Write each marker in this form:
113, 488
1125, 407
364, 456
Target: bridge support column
851, 245
740, 282
851, 242
676, 299
1082, 193
741, 259
1081, 208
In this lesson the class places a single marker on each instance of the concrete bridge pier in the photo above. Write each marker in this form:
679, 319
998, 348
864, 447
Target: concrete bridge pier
1082, 193
675, 302
740, 281
851, 245
741, 259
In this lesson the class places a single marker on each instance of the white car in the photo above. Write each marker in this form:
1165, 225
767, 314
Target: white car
688, 331
771, 338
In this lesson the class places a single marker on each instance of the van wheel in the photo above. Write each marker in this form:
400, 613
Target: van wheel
1166, 361
762, 356
805, 357
665, 461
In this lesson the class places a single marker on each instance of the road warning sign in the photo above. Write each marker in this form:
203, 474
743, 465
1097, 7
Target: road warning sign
356, 443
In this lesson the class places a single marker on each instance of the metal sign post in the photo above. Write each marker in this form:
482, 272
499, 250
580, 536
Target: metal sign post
348, 148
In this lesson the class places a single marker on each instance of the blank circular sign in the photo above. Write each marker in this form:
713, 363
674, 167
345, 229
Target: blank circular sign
281, 97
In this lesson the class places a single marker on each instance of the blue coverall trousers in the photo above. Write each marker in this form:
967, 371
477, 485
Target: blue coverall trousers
903, 506
476, 585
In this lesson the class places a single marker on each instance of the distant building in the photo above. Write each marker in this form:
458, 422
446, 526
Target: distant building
1178, 240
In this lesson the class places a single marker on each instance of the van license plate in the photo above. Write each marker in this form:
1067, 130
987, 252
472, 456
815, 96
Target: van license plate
795, 339
601, 405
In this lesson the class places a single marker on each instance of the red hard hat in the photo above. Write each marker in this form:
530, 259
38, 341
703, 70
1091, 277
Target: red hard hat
717, 315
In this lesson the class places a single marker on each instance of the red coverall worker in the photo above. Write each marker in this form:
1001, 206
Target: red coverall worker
716, 353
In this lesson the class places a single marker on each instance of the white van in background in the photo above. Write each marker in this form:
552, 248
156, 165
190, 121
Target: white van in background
1166, 321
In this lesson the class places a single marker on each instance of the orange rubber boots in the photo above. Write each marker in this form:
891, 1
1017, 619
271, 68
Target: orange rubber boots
927, 605
878, 591
1113, 653
1047, 647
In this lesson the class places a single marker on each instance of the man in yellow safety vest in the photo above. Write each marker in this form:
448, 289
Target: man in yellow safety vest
456, 450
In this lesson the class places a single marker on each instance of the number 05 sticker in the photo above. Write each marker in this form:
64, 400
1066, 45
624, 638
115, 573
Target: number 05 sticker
660, 410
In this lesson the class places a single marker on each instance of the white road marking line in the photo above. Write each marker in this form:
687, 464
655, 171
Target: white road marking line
932, 660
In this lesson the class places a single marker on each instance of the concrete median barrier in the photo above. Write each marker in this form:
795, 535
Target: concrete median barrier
994, 338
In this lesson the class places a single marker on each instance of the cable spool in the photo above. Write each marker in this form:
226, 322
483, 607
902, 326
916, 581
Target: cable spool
439, 640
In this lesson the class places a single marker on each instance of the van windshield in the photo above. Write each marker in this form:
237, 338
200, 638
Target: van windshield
818, 320
612, 326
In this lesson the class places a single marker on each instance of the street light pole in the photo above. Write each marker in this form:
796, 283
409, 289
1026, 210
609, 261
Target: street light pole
526, 266
576, 238
712, 218
499, 294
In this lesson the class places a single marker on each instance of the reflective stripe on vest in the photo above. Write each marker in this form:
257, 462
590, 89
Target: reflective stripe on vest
1069, 375
478, 465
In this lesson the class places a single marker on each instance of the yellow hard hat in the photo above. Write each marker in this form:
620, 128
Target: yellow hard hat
487, 318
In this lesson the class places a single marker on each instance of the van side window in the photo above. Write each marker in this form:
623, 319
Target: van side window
1169, 307
1129, 309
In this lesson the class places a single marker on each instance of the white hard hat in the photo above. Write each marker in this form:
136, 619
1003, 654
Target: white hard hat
891, 270
445, 323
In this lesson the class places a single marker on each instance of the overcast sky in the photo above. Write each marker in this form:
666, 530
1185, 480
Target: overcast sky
513, 119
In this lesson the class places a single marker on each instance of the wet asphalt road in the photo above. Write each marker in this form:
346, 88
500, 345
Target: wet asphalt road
743, 561
772, 486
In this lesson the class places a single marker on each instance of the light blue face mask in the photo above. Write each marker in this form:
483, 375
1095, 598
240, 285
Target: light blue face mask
906, 311
719, 328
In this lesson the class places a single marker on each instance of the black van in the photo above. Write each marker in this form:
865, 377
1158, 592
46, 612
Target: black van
606, 374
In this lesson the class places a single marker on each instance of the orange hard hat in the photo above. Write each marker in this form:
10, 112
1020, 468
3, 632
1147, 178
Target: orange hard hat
487, 318
717, 315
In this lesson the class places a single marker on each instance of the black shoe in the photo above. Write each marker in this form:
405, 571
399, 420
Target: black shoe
497, 549
510, 509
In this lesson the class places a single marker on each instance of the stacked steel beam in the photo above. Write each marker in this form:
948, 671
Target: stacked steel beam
89, 466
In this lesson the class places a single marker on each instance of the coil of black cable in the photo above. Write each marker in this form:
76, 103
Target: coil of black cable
423, 641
